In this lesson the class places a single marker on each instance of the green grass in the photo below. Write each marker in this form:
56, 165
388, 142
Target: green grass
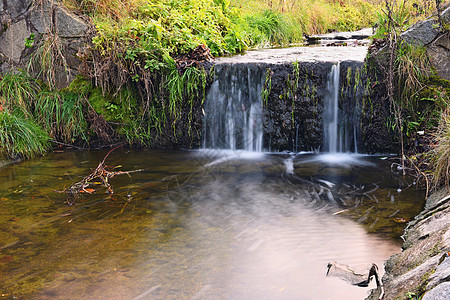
20, 137
17, 91
38, 113
62, 115
441, 152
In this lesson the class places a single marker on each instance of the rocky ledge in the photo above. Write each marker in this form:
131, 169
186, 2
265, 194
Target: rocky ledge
422, 269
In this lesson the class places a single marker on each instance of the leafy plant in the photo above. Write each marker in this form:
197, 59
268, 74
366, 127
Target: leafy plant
29, 42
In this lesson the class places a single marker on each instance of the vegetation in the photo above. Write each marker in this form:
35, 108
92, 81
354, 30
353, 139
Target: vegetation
441, 152
418, 98
20, 137
397, 16
146, 69
313, 16
32, 115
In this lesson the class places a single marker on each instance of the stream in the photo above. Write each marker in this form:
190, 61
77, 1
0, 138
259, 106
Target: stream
200, 224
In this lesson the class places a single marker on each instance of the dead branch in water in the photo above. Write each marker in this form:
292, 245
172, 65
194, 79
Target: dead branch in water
100, 176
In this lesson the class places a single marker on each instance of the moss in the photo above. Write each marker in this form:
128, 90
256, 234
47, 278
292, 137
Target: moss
79, 85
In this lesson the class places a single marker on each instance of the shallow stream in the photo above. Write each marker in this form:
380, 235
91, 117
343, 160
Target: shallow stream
198, 225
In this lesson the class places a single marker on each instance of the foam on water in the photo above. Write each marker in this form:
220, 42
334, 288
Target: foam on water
342, 159
219, 156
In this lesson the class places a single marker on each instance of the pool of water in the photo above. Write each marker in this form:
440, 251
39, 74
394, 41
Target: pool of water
198, 225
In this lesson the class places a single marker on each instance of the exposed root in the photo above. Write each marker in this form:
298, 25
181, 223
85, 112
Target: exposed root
193, 58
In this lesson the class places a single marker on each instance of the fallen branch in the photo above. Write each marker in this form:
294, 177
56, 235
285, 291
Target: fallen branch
100, 176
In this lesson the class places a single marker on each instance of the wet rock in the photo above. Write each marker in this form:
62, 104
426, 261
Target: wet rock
341, 36
295, 107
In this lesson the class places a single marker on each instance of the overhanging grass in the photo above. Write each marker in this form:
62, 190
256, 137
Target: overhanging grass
22, 137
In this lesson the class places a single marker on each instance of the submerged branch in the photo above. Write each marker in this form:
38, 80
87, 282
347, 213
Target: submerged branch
100, 176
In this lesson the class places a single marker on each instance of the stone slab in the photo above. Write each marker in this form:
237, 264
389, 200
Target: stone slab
442, 273
346, 35
423, 33
12, 41
15, 8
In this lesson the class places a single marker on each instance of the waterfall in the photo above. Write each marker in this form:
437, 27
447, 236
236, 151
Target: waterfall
340, 117
331, 111
233, 108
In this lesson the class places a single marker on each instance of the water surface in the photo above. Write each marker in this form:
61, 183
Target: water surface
198, 225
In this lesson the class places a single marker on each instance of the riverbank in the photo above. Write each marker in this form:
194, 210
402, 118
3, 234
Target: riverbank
422, 269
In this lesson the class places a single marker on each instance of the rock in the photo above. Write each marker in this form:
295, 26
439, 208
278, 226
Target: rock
68, 25
441, 273
346, 35
22, 19
439, 54
12, 41
437, 198
423, 33
16, 8
440, 292
398, 286
424, 264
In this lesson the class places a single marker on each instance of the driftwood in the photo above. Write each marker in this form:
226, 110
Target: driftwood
100, 176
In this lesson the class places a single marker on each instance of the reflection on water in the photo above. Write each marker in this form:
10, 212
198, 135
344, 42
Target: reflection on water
197, 225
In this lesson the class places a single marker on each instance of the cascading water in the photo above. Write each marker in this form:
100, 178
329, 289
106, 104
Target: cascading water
233, 109
340, 124
332, 108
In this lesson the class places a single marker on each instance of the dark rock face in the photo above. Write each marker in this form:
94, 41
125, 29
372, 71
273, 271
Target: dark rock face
293, 121
293, 115
25, 25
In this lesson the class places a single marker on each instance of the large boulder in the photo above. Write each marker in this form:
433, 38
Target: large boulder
425, 32
428, 34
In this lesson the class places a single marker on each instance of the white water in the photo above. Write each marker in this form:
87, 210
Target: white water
330, 118
341, 116
233, 109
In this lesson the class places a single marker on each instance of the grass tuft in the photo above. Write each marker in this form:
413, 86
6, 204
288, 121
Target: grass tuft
441, 152
20, 137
